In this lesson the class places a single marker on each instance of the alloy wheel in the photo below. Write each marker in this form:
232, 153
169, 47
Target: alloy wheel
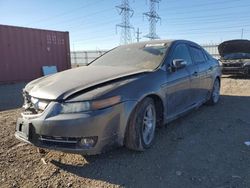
149, 124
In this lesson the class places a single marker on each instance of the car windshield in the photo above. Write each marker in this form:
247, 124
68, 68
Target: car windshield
147, 56
237, 56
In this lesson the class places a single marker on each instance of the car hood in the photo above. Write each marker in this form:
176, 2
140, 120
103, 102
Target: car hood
234, 46
62, 85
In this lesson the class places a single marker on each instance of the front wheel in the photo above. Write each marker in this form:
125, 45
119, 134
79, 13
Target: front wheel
141, 127
215, 95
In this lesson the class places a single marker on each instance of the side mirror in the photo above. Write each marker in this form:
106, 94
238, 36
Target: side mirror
179, 63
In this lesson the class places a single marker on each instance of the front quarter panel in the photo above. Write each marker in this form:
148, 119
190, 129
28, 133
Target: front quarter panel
132, 91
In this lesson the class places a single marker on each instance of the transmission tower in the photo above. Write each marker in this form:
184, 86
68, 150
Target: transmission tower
126, 12
153, 18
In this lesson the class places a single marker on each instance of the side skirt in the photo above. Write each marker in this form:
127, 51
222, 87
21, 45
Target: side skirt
183, 113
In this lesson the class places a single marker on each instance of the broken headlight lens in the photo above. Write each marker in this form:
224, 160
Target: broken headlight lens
76, 107
39, 104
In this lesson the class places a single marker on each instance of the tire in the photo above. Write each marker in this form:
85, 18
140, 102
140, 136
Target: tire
215, 95
141, 126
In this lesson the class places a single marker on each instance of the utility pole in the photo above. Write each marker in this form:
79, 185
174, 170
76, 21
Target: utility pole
242, 33
138, 34
153, 18
126, 12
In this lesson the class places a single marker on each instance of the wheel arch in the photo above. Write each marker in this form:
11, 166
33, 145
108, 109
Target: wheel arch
159, 107
218, 77
159, 110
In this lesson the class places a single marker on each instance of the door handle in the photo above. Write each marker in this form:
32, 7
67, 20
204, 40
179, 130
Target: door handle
195, 74
210, 68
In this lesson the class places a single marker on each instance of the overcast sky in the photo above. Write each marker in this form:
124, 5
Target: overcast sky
92, 23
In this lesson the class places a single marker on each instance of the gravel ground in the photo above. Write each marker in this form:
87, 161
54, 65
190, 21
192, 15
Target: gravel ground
203, 149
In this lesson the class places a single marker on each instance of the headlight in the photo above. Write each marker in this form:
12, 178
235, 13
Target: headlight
75, 107
39, 104
42, 105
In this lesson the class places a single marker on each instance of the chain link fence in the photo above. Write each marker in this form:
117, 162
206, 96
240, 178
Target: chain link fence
212, 49
80, 58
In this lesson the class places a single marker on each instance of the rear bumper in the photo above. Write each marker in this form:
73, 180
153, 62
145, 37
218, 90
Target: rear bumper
64, 132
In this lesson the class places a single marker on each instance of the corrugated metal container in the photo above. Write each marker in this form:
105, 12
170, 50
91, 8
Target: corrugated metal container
24, 51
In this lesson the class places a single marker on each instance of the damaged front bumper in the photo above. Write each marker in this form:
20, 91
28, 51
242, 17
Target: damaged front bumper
85, 133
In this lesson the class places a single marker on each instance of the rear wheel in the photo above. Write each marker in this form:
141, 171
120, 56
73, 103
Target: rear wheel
141, 127
215, 95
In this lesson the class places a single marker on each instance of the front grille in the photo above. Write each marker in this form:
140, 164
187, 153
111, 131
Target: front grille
232, 64
230, 71
65, 142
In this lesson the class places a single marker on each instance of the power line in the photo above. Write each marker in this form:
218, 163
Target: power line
78, 19
203, 30
97, 25
215, 18
176, 21
126, 12
64, 13
91, 39
173, 20
212, 28
198, 32
222, 32
209, 21
203, 11
201, 4
102, 24
153, 18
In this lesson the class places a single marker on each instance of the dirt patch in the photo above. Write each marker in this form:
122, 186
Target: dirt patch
203, 149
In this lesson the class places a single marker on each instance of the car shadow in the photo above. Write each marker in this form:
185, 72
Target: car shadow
201, 149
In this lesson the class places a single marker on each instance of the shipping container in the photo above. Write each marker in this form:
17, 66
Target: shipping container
24, 51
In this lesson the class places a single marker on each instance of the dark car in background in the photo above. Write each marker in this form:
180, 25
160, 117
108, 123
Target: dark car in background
120, 98
235, 57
